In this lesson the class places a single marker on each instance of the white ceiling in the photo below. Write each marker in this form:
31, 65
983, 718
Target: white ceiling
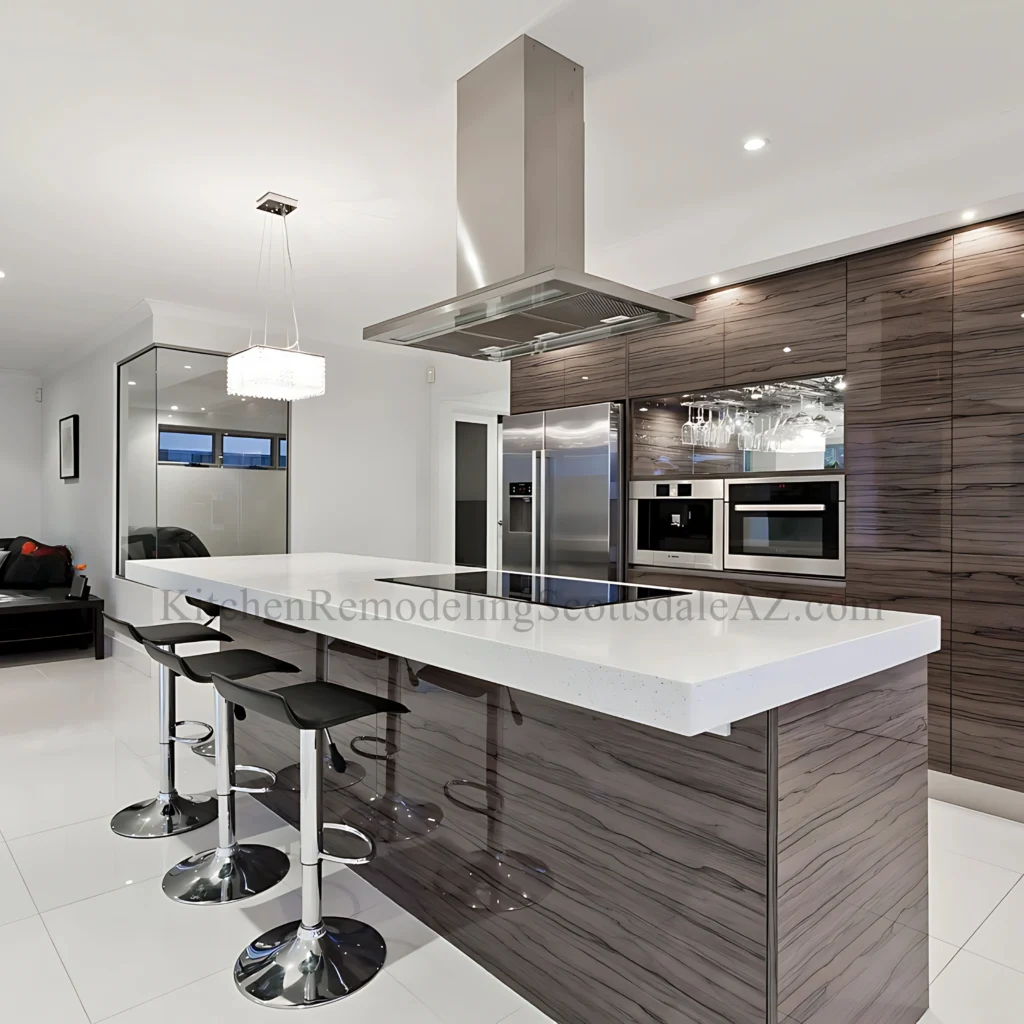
134, 139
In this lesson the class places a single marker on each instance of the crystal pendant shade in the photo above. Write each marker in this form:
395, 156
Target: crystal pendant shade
262, 371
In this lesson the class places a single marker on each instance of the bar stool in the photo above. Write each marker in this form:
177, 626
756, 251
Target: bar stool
317, 959
231, 871
211, 611
170, 813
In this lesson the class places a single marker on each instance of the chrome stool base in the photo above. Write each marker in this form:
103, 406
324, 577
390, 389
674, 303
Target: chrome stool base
225, 876
291, 966
164, 816
288, 778
207, 749
393, 819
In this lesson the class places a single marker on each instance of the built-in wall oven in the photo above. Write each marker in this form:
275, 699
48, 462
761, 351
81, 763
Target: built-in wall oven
677, 523
786, 525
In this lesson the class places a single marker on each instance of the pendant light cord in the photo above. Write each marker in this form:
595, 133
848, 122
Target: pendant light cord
291, 279
259, 274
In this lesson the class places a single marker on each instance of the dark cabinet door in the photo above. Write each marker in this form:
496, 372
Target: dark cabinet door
988, 504
537, 382
786, 327
680, 357
595, 372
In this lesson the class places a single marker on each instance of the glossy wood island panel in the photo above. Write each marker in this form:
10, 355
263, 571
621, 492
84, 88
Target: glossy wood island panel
612, 873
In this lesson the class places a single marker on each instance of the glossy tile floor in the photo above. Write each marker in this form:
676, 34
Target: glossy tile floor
86, 934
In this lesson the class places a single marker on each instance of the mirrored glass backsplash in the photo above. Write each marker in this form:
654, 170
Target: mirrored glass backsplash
794, 425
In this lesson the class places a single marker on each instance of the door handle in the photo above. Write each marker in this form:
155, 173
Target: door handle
778, 508
534, 507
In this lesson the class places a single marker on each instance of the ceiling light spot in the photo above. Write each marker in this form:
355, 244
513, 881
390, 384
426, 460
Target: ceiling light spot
787, 349
202, 408
968, 214
2, 274
715, 279
131, 383
754, 144
643, 408
187, 367
174, 408
585, 378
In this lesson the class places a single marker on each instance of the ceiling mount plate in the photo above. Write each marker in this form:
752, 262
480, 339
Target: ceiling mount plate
271, 202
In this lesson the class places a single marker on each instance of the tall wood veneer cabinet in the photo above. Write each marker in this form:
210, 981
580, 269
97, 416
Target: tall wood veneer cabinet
988, 504
898, 445
592, 372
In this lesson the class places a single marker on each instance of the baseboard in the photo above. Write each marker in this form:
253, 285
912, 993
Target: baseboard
978, 796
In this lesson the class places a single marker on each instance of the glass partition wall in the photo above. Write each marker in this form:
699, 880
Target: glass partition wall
200, 472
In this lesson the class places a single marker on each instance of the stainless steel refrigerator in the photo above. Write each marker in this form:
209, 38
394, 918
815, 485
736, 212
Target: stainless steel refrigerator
561, 510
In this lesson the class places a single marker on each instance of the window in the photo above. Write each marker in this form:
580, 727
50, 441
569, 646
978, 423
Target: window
246, 451
282, 453
191, 449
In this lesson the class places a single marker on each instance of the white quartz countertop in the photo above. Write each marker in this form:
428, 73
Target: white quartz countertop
684, 664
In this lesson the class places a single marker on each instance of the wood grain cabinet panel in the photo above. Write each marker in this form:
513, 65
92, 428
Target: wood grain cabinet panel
681, 357
987, 658
537, 382
804, 311
898, 442
595, 372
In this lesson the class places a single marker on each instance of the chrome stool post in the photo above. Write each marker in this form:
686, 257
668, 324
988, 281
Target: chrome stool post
233, 871
169, 814
316, 959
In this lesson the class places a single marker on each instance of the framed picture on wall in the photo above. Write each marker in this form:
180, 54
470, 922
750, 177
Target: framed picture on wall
68, 429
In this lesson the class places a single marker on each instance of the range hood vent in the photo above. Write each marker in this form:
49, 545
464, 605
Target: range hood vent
522, 288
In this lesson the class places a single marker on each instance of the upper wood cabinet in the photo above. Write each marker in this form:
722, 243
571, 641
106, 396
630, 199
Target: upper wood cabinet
537, 382
789, 326
680, 357
595, 372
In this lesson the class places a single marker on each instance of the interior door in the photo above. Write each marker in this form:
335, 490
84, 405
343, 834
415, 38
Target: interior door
579, 505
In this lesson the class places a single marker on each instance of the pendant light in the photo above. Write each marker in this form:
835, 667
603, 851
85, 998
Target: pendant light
263, 370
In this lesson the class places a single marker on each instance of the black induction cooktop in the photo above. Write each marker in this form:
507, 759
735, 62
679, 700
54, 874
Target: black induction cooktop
550, 590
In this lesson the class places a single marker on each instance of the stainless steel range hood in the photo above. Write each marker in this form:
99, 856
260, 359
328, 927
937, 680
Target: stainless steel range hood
520, 276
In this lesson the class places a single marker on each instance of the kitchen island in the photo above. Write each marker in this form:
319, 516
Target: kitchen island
693, 809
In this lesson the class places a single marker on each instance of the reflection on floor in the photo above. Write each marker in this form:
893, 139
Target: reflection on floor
87, 935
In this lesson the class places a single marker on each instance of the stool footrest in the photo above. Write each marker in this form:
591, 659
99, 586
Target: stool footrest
339, 826
192, 741
259, 771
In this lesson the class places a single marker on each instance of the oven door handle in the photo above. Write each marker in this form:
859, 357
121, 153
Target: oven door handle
778, 508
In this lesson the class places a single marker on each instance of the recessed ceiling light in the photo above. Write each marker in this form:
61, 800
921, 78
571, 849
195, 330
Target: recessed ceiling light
643, 408
968, 214
187, 367
787, 349
754, 144
174, 408
131, 383
243, 399
170, 417
202, 408
715, 279
2, 274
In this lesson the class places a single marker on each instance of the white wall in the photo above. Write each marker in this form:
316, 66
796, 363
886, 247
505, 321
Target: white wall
20, 463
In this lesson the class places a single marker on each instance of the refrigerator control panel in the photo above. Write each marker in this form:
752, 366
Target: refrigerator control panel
520, 490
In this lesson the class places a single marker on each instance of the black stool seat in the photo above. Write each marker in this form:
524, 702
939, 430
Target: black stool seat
313, 705
170, 632
237, 664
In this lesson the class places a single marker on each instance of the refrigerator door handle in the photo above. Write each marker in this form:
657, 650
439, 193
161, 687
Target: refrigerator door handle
534, 505
542, 513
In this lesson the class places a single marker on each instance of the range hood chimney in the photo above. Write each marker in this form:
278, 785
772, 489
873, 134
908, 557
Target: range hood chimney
522, 287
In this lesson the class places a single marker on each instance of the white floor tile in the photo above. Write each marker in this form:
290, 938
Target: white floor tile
70, 781
104, 861
980, 836
162, 945
478, 998
963, 892
939, 955
34, 986
972, 990
15, 900
528, 1015
215, 1000
1001, 937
